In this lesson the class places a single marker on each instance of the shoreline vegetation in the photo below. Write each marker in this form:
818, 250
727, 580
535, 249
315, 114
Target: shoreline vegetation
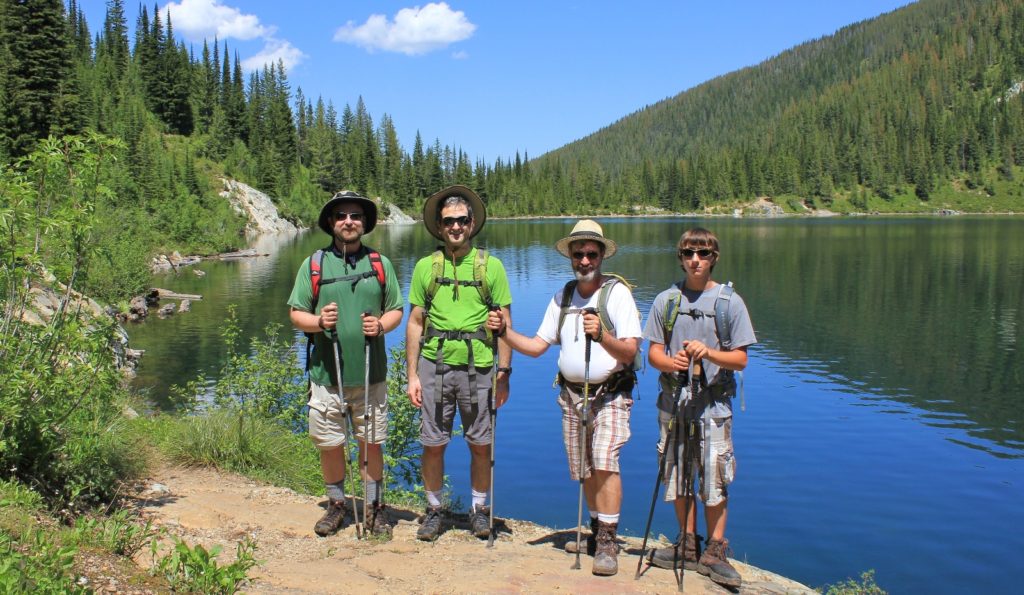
69, 522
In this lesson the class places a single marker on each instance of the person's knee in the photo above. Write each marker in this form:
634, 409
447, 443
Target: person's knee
433, 452
480, 450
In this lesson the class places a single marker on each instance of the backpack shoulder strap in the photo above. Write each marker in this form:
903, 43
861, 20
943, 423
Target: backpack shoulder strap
377, 265
436, 273
722, 325
602, 298
567, 292
480, 276
672, 312
316, 267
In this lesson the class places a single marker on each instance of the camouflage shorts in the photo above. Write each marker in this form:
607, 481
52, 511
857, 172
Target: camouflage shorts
715, 469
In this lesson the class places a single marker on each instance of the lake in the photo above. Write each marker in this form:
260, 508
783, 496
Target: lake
884, 422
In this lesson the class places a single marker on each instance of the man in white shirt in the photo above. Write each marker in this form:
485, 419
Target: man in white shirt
600, 308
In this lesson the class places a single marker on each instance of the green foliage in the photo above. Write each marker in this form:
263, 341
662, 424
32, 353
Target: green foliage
259, 382
36, 565
119, 533
244, 444
865, 586
402, 449
62, 398
190, 569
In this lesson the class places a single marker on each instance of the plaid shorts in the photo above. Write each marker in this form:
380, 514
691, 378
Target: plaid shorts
609, 429
715, 469
327, 425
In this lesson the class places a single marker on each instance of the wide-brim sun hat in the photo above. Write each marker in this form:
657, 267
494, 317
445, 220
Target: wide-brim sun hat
586, 230
369, 211
430, 213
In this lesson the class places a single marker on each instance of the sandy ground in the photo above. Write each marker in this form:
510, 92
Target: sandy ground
207, 507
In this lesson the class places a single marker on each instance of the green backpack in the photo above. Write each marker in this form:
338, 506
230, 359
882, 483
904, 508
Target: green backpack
602, 309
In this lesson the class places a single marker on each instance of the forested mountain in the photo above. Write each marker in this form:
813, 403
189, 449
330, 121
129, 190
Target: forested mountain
917, 109
904, 103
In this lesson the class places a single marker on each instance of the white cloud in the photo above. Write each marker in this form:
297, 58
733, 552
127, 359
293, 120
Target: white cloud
414, 31
274, 50
204, 19
460, 55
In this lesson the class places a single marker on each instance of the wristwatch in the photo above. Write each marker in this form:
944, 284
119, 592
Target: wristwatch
507, 371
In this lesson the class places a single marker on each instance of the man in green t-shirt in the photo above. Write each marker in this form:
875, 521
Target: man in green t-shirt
359, 300
450, 354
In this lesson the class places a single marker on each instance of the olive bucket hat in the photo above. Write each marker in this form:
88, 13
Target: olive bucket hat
586, 229
369, 209
430, 209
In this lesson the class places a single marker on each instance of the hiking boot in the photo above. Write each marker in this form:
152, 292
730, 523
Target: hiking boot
430, 529
380, 523
671, 557
480, 521
591, 540
332, 519
714, 564
606, 561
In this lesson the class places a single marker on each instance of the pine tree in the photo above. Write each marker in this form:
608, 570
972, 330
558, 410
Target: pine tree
39, 86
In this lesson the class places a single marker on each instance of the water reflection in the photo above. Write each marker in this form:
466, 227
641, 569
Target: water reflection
918, 311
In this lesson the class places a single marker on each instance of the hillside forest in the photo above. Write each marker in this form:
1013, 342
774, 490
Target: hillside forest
917, 110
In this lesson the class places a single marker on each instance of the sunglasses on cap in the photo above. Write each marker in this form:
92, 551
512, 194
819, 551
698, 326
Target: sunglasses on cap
689, 252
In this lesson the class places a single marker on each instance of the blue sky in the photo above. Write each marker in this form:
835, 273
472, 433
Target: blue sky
498, 77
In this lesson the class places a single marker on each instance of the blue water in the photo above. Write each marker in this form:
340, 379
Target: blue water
883, 422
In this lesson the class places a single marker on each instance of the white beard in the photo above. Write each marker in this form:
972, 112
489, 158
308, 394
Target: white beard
585, 277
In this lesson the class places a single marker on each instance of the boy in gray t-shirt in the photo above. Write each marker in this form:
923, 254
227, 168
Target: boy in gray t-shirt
686, 313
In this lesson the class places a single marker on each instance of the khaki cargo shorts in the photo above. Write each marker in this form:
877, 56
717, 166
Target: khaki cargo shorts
327, 425
715, 469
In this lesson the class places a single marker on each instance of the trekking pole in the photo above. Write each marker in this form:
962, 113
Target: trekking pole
583, 441
494, 431
348, 417
368, 418
662, 457
688, 454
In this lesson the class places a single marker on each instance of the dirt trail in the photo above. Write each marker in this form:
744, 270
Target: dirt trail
209, 507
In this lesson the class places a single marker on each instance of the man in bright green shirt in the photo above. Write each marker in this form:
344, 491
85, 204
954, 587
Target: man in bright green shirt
451, 292
358, 300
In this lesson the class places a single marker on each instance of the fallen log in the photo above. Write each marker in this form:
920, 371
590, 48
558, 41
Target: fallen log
168, 294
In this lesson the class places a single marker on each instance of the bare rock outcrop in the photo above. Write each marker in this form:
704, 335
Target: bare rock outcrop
258, 207
395, 215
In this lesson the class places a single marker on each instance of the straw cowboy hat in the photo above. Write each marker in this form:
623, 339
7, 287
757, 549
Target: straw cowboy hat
590, 230
430, 212
369, 210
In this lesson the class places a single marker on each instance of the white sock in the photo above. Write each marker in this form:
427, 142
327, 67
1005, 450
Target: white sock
479, 499
608, 518
434, 498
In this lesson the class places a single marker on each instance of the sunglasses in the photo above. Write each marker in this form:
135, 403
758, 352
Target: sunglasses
592, 255
689, 252
463, 221
342, 215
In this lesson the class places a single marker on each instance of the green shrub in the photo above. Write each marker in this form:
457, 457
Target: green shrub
865, 586
62, 396
195, 569
38, 566
120, 533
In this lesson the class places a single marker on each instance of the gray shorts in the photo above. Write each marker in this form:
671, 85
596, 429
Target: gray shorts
327, 425
437, 413
715, 469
